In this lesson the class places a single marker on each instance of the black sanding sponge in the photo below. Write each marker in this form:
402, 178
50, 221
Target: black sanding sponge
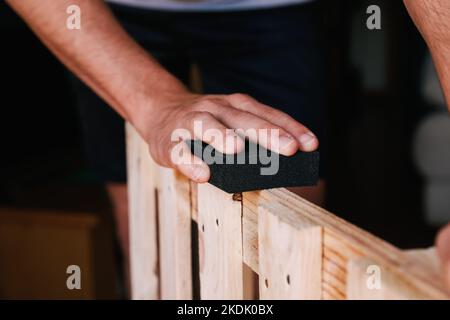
256, 168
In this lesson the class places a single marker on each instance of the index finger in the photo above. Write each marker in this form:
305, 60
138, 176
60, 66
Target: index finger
305, 137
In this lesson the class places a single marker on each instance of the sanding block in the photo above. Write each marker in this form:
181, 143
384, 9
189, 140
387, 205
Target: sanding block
256, 168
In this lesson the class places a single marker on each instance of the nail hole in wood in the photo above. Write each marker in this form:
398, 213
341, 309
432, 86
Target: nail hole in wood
237, 196
217, 222
266, 282
288, 279
203, 227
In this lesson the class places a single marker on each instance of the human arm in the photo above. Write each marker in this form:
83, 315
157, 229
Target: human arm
432, 18
107, 59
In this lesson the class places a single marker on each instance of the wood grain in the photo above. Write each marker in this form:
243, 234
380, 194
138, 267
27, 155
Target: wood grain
391, 286
142, 181
220, 244
230, 233
342, 241
290, 255
360, 282
174, 220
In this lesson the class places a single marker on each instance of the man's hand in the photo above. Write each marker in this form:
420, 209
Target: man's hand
220, 113
105, 57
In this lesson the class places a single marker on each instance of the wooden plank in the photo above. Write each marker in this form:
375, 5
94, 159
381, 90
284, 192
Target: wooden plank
363, 275
290, 255
251, 286
174, 218
220, 244
331, 293
142, 179
250, 232
428, 257
370, 281
336, 254
342, 242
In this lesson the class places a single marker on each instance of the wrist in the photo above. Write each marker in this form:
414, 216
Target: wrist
155, 102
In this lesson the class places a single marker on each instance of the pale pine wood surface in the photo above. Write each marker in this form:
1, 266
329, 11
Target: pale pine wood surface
229, 234
142, 175
220, 244
290, 255
174, 220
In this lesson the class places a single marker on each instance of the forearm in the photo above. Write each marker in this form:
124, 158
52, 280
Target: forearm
101, 53
432, 18
155, 102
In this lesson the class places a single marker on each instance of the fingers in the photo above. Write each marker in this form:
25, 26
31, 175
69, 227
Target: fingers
204, 126
188, 164
260, 131
214, 119
307, 141
443, 248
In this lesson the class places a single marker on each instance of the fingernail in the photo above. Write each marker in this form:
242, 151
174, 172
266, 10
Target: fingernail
286, 141
307, 139
200, 174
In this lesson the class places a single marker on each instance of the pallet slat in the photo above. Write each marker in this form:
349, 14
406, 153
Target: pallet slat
259, 229
290, 255
220, 244
142, 177
344, 240
370, 281
174, 221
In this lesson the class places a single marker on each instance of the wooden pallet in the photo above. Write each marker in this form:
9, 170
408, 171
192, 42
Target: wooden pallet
267, 244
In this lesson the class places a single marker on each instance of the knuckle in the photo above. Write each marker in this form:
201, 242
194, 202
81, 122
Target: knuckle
243, 101
241, 96
202, 116
235, 113
272, 112
205, 104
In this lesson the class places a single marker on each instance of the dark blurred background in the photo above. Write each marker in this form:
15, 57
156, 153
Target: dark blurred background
43, 174
376, 104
